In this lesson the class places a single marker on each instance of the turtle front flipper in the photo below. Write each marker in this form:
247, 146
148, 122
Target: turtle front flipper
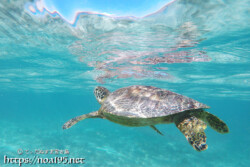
193, 129
75, 120
213, 121
157, 130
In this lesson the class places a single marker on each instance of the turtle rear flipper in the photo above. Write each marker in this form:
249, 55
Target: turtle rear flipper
214, 122
75, 120
193, 129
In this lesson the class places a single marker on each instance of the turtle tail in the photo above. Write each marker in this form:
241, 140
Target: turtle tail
193, 129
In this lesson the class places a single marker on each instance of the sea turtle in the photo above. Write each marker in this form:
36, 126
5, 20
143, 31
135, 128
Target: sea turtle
147, 106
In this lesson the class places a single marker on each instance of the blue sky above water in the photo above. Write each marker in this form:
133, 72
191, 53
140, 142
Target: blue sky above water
68, 9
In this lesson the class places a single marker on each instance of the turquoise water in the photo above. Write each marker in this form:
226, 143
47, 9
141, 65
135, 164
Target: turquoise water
49, 68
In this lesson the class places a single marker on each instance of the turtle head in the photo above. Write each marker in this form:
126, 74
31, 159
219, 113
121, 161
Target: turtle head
101, 94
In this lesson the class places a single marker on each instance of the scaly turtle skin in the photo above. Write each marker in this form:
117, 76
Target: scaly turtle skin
147, 106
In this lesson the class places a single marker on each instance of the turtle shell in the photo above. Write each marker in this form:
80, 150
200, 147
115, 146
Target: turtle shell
147, 102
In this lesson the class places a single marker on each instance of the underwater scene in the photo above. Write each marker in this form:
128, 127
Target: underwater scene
63, 59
